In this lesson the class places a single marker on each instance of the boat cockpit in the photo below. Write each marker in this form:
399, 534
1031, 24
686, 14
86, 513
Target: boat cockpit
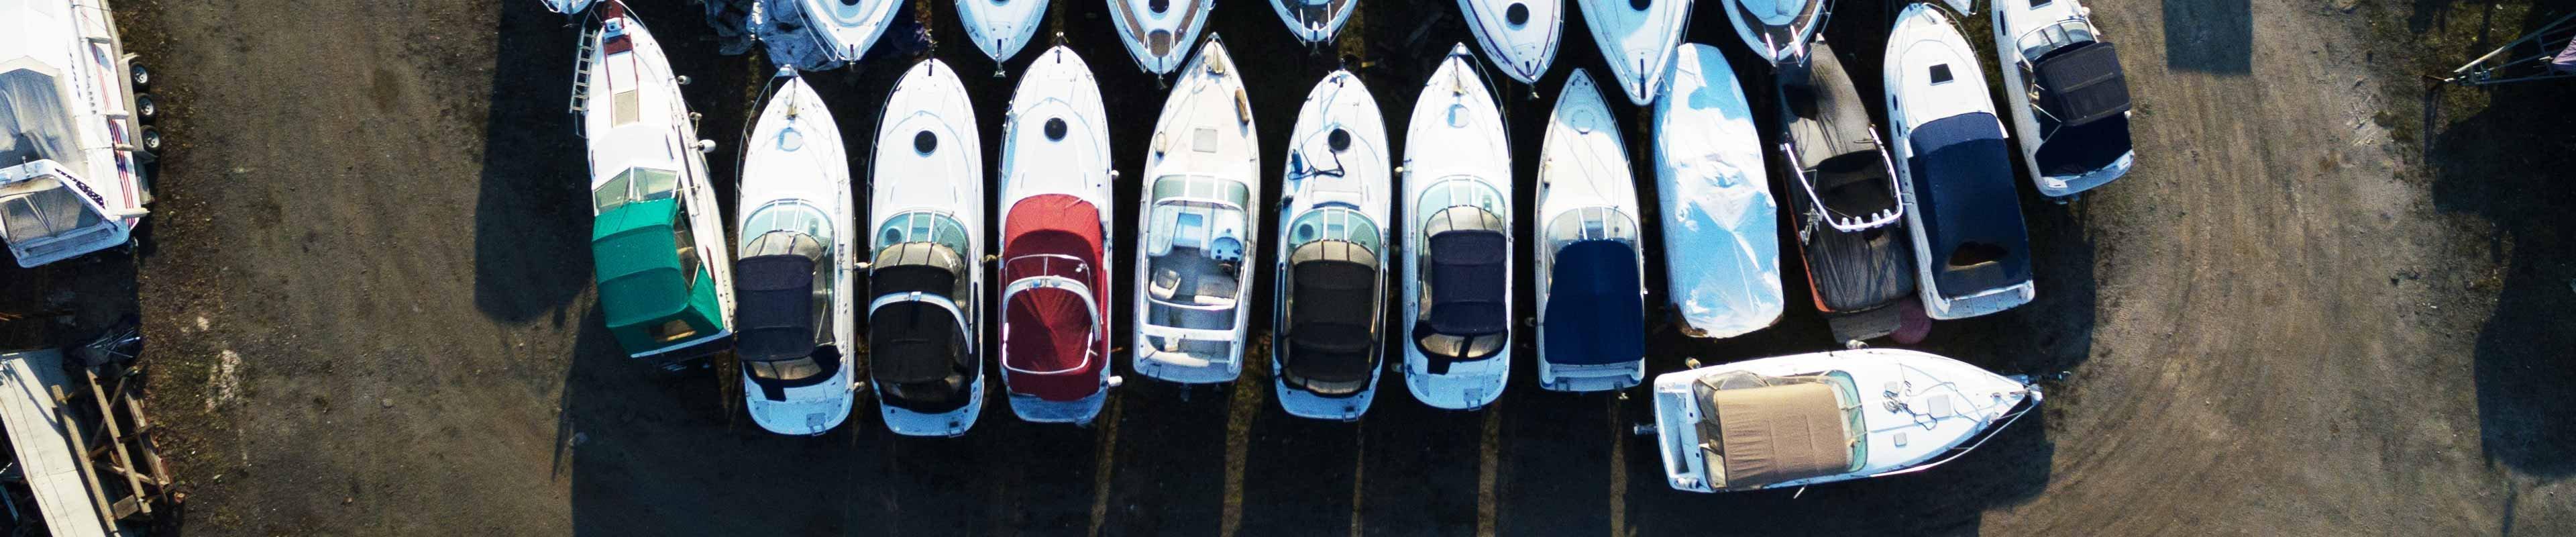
2079, 96
1195, 251
1332, 302
784, 285
1465, 277
921, 348
1843, 166
1757, 430
1595, 309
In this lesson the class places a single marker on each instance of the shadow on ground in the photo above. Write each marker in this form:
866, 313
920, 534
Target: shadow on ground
2499, 164
2210, 36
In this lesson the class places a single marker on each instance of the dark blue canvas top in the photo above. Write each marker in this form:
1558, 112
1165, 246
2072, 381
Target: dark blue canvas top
775, 308
1595, 313
1963, 184
1467, 282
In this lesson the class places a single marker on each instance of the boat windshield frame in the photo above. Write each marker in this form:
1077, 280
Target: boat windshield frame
631, 191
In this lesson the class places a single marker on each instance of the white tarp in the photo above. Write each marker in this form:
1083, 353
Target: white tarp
1721, 227
34, 119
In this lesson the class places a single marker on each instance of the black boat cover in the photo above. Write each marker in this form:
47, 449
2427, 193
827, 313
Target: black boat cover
1467, 282
2082, 83
1964, 186
1856, 271
775, 306
2084, 148
918, 356
1830, 127
900, 279
1595, 312
1332, 317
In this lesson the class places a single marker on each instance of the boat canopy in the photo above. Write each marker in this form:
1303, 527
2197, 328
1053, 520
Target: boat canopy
1332, 317
918, 345
1837, 148
637, 254
36, 118
1465, 283
43, 211
1758, 430
2081, 83
1963, 183
1051, 347
1855, 271
1595, 309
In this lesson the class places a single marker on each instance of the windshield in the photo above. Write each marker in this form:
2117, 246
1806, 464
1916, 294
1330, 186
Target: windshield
1334, 223
785, 371
632, 185
2036, 44
1460, 348
923, 226
1591, 223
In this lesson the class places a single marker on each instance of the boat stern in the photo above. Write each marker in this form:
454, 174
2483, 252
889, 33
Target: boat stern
1677, 434
806, 411
2059, 186
1188, 356
51, 214
949, 424
1985, 302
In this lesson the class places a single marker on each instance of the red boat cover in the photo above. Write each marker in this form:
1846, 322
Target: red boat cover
1049, 347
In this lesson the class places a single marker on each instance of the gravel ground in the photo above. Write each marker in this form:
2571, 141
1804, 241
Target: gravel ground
2304, 313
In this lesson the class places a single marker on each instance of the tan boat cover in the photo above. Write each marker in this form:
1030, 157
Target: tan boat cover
1780, 433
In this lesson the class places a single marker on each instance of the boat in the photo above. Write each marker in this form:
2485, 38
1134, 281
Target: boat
1314, 21
1458, 229
795, 296
569, 7
1971, 250
1808, 419
1159, 33
1849, 221
926, 203
1330, 314
1779, 31
2069, 98
1056, 270
1520, 36
657, 235
1001, 28
816, 35
1591, 288
1721, 228
78, 137
1637, 39
1202, 177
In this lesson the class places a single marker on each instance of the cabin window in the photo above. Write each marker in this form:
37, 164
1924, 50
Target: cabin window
632, 185
687, 247
610, 195
1941, 74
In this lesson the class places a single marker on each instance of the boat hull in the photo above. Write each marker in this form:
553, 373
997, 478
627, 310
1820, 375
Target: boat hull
1457, 107
1916, 408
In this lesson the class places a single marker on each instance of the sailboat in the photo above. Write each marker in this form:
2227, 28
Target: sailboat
1202, 178
926, 207
1056, 274
1330, 316
797, 295
1591, 288
657, 239
1458, 229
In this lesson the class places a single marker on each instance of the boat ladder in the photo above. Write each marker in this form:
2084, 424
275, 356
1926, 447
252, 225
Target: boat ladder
582, 68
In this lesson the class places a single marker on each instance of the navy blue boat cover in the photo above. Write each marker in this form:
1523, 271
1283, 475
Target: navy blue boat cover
1467, 282
1963, 184
1594, 310
776, 308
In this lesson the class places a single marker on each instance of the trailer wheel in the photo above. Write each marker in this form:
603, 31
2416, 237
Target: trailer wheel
142, 76
152, 139
144, 108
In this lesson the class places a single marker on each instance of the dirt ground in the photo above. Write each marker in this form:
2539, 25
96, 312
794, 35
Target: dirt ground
2327, 301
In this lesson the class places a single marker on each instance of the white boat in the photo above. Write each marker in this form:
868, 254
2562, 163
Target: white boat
1591, 287
1057, 271
1458, 209
795, 291
1520, 36
657, 242
1159, 33
1314, 21
1001, 28
76, 144
815, 35
569, 7
2069, 99
1201, 219
1637, 39
1793, 421
1971, 250
1778, 31
1721, 228
926, 205
1330, 316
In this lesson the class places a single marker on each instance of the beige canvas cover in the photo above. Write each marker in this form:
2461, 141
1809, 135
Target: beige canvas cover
1780, 433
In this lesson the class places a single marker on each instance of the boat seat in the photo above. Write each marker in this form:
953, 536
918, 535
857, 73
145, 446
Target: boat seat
1166, 282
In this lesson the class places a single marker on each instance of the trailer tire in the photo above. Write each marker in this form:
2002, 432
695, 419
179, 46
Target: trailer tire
152, 139
145, 109
142, 76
